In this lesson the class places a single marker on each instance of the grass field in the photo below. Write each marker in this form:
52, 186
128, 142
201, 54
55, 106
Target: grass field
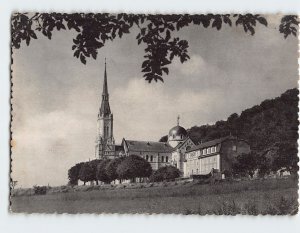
272, 196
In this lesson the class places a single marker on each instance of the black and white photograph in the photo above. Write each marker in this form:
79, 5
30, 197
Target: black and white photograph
136, 113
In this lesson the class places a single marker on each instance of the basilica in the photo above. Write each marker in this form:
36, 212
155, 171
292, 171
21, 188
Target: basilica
180, 151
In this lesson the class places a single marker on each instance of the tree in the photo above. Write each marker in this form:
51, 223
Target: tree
134, 166
164, 139
86, 173
94, 163
73, 174
111, 168
245, 164
156, 32
101, 171
165, 173
287, 158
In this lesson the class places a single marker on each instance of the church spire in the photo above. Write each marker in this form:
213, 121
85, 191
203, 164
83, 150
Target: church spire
105, 89
105, 108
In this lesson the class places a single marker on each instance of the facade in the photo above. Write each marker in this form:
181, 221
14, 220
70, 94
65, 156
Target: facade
105, 143
218, 154
160, 154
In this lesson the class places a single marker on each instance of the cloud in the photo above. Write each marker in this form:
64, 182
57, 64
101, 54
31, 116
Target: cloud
195, 65
147, 112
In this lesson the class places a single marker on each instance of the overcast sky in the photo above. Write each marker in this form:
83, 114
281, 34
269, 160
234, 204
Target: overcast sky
56, 98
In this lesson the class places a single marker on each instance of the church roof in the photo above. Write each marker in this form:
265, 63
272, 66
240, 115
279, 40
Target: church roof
148, 146
177, 131
211, 143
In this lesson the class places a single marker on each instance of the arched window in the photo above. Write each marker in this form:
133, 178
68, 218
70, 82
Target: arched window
167, 159
147, 157
151, 158
162, 159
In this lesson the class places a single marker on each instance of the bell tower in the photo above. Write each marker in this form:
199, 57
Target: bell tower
105, 143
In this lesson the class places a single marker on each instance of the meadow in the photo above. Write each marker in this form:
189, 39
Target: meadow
268, 196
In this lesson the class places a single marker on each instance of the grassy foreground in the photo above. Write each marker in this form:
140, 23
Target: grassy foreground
272, 196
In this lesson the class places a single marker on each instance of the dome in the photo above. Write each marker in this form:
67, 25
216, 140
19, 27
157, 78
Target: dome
177, 131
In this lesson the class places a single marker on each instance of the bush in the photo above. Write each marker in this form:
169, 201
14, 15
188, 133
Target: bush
40, 190
165, 174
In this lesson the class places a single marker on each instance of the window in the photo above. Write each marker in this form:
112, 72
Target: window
234, 148
208, 151
204, 151
147, 157
167, 159
162, 159
151, 158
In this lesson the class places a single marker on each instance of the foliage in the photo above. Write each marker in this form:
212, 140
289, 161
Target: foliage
111, 168
86, 172
156, 32
101, 171
163, 138
287, 158
165, 173
134, 166
40, 190
245, 164
73, 174
94, 163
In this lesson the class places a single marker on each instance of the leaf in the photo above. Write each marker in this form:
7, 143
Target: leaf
145, 63
76, 53
73, 47
168, 35
82, 59
27, 40
94, 54
166, 70
32, 34
263, 21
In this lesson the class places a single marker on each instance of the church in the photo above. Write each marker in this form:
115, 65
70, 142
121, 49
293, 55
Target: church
180, 151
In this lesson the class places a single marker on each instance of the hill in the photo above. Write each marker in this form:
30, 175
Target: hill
264, 126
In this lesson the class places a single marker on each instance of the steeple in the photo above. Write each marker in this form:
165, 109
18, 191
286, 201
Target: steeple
105, 108
105, 89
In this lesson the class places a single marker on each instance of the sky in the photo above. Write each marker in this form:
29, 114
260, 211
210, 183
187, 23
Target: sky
56, 98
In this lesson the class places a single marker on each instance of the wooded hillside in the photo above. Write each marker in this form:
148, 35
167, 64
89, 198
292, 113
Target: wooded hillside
264, 126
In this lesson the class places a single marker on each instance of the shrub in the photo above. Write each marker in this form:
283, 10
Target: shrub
165, 174
40, 190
